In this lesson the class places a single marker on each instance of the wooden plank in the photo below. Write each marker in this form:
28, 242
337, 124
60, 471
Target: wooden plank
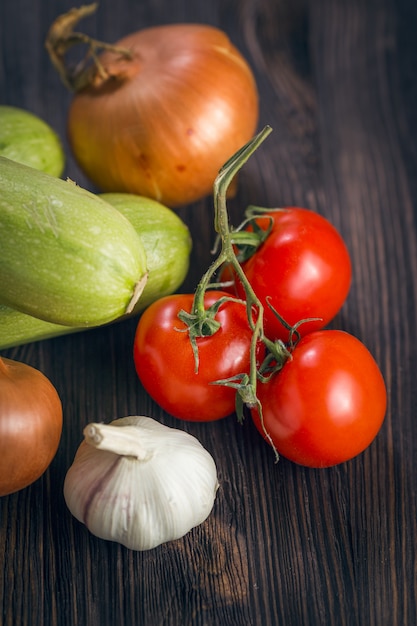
285, 544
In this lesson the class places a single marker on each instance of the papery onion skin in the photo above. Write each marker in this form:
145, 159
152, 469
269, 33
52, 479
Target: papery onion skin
163, 123
30, 425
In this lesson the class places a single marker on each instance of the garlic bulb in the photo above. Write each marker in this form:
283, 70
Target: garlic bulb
139, 482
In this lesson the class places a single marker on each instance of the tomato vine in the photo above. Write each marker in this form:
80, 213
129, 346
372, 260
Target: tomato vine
201, 321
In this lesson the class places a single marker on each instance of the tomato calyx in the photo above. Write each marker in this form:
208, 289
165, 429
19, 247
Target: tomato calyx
245, 392
202, 322
246, 241
274, 361
278, 352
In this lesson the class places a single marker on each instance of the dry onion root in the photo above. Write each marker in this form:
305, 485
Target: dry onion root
158, 113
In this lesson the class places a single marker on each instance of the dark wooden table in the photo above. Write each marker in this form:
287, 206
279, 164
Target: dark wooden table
284, 544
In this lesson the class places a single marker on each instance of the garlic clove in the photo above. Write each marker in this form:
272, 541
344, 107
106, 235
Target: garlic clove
140, 483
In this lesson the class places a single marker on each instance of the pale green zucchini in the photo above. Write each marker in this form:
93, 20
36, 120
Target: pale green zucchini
27, 139
67, 256
17, 328
166, 239
167, 244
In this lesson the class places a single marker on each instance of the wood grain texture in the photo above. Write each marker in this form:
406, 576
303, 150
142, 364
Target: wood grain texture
284, 544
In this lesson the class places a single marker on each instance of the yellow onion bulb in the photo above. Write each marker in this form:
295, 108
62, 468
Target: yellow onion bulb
30, 425
162, 122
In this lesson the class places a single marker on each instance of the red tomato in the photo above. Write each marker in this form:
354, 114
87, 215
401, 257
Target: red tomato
303, 268
165, 364
327, 403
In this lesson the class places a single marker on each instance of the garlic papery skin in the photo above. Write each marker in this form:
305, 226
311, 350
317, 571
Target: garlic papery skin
140, 483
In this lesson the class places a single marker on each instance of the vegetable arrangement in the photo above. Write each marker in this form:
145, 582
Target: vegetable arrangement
159, 112
251, 339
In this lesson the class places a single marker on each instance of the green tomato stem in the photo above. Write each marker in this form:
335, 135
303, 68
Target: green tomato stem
201, 321
222, 228
254, 308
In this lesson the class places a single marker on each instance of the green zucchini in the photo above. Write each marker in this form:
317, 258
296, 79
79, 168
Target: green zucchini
27, 139
166, 239
167, 244
17, 328
67, 256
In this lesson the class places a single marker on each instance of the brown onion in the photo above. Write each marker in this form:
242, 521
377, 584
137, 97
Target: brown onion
162, 121
30, 425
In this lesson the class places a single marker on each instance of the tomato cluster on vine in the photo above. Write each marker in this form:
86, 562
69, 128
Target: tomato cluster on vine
257, 338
